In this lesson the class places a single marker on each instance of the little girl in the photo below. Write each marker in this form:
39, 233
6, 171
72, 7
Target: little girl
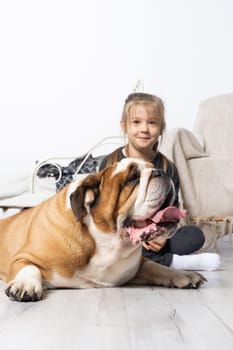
143, 123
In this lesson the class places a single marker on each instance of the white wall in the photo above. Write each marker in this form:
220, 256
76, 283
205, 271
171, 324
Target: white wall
67, 66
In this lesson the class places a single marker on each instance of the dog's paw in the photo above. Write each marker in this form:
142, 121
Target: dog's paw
19, 291
187, 279
27, 285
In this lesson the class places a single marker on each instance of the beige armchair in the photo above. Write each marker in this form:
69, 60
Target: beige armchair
204, 158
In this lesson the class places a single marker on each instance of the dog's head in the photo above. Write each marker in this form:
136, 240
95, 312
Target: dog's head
129, 197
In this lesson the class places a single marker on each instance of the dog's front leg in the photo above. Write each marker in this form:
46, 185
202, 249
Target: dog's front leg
156, 274
25, 282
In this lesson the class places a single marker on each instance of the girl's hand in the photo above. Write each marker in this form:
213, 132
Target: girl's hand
155, 245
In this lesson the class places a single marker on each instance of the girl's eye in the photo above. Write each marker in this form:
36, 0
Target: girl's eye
153, 122
135, 121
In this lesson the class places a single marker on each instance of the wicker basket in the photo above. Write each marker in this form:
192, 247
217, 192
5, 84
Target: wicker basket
213, 227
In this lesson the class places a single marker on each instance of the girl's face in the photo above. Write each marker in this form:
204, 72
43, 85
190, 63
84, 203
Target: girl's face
142, 128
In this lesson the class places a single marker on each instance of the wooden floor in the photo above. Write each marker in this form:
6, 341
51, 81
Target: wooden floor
129, 318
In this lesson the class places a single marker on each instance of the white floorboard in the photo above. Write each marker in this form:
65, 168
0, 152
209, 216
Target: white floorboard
129, 318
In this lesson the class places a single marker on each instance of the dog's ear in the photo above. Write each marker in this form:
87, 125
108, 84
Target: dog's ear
82, 198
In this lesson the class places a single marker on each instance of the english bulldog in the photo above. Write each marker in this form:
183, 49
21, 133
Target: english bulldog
89, 235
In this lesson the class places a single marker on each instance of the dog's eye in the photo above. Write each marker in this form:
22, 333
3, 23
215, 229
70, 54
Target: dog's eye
133, 176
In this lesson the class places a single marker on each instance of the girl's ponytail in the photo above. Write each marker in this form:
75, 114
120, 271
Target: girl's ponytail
113, 157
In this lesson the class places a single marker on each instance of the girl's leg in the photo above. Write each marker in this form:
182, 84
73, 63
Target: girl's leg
187, 240
178, 250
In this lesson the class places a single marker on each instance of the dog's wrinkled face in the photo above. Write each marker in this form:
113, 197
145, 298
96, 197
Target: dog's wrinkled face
125, 198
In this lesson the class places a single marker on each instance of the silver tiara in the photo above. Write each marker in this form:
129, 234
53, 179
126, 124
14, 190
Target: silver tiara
139, 86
